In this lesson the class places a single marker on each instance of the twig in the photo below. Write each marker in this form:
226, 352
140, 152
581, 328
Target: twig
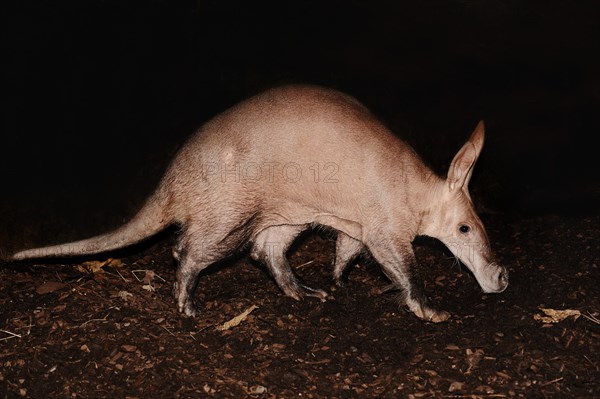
552, 382
120, 275
146, 271
11, 335
592, 363
111, 273
206, 327
305, 264
591, 318
117, 274
24, 290
89, 321
167, 330
82, 284
28, 326
135, 275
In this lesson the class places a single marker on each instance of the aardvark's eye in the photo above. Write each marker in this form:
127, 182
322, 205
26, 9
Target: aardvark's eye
464, 228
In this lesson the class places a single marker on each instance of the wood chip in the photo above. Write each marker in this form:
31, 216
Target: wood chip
50, 286
237, 319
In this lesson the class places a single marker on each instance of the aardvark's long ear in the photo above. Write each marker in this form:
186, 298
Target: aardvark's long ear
461, 167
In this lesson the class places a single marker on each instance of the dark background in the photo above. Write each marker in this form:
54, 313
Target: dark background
98, 95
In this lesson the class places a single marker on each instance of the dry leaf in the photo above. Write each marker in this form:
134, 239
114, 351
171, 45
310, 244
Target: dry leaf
114, 263
96, 266
556, 316
148, 288
237, 319
148, 277
124, 295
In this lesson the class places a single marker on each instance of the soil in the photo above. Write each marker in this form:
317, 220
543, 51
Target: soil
110, 328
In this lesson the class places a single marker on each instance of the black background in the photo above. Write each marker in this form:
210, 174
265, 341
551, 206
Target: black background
98, 95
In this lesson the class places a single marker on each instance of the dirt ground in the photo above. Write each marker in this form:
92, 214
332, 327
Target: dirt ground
111, 328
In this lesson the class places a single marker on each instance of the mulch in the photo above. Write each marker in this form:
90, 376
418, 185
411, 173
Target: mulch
109, 327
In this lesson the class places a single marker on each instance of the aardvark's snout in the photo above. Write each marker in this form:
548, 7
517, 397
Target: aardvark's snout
497, 280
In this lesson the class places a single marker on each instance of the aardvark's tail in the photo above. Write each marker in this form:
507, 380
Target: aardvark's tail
152, 218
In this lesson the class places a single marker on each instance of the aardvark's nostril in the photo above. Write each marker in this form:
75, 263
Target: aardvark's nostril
503, 277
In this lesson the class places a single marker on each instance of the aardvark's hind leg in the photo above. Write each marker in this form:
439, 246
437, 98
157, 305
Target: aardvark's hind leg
194, 255
270, 247
347, 249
